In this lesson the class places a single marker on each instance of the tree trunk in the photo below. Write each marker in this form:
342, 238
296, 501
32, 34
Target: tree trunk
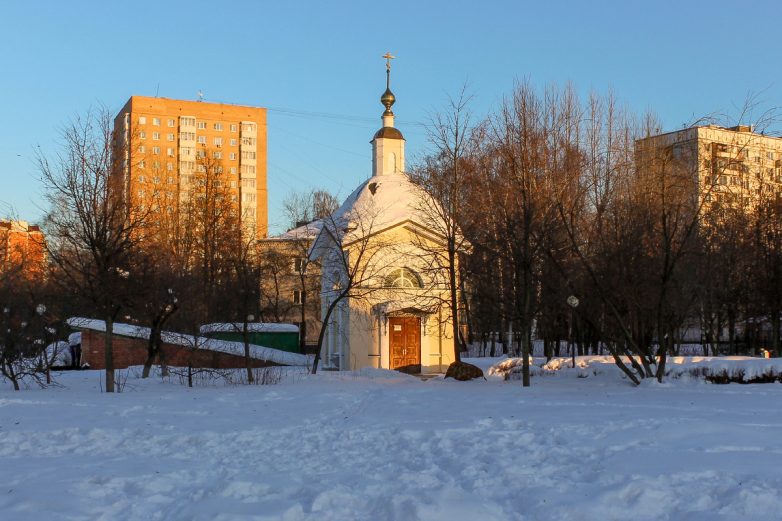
524, 339
732, 332
153, 347
457, 338
247, 361
323, 328
303, 323
775, 340
108, 353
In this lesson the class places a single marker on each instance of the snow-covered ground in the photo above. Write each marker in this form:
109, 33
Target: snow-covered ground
381, 446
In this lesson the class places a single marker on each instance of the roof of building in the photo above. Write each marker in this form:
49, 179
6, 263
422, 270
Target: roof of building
194, 342
307, 231
378, 203
252, 327
741, 129
388, 133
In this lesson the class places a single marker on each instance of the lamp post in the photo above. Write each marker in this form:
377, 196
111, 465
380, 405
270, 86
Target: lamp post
40, 309
572, 301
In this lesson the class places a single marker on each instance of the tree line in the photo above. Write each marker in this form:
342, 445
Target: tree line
151, 252
572, 230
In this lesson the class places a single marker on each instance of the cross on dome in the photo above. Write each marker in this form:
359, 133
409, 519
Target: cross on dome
388, 98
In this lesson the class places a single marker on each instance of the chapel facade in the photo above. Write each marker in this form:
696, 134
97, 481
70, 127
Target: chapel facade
388, 298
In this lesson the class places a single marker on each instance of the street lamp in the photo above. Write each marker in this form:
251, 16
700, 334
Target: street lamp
41, 309
572, 301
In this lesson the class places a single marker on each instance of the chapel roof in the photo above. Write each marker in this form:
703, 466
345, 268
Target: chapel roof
388, 133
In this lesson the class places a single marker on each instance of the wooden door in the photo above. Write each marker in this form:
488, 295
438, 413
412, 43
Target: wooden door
405, 344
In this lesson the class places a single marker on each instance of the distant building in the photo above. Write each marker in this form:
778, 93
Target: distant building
22, 247
732, 167
164, 144
290, 282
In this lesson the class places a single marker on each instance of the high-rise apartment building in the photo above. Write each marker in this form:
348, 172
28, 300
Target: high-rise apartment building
22, 248
165, 144
732, 167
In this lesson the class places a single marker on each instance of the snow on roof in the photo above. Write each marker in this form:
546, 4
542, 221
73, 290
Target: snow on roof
252, 327
195, 342
377, 204
307, 231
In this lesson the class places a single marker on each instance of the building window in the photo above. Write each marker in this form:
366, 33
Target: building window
170, 152
233, 142
249, 141
142, 135
156, 136
202, 140
297, 296
187, 122
202, 125
218, 155
248, 183
233, 171
141, 179
403, 278
171, 122
170, 136
187, 136
170, 167
156, 122
232, 156
142, 120
142, 149
248, 169
219, 141
298, 265
248, 155
248, 127
141, 164
218, 126
233, 129
155, 150
201, 153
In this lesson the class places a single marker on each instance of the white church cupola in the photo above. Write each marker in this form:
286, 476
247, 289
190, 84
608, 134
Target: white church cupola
388, 145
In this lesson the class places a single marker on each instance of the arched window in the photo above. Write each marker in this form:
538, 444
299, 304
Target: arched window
403, 278
392, 163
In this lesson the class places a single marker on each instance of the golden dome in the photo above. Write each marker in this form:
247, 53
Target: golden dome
388, 99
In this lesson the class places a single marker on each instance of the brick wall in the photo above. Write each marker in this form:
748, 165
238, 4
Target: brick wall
133, 351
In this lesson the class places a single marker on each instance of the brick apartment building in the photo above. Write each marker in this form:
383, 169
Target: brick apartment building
164, 144
22, 247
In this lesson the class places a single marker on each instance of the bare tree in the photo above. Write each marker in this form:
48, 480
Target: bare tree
304, 207
442, 203
351, 256
93, 235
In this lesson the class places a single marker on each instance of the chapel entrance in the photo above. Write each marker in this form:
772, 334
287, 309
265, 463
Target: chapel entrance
404, 344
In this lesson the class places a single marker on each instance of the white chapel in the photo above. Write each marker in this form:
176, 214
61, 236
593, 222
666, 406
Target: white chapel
389, 306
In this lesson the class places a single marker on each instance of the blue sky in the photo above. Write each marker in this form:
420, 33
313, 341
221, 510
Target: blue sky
680, 59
